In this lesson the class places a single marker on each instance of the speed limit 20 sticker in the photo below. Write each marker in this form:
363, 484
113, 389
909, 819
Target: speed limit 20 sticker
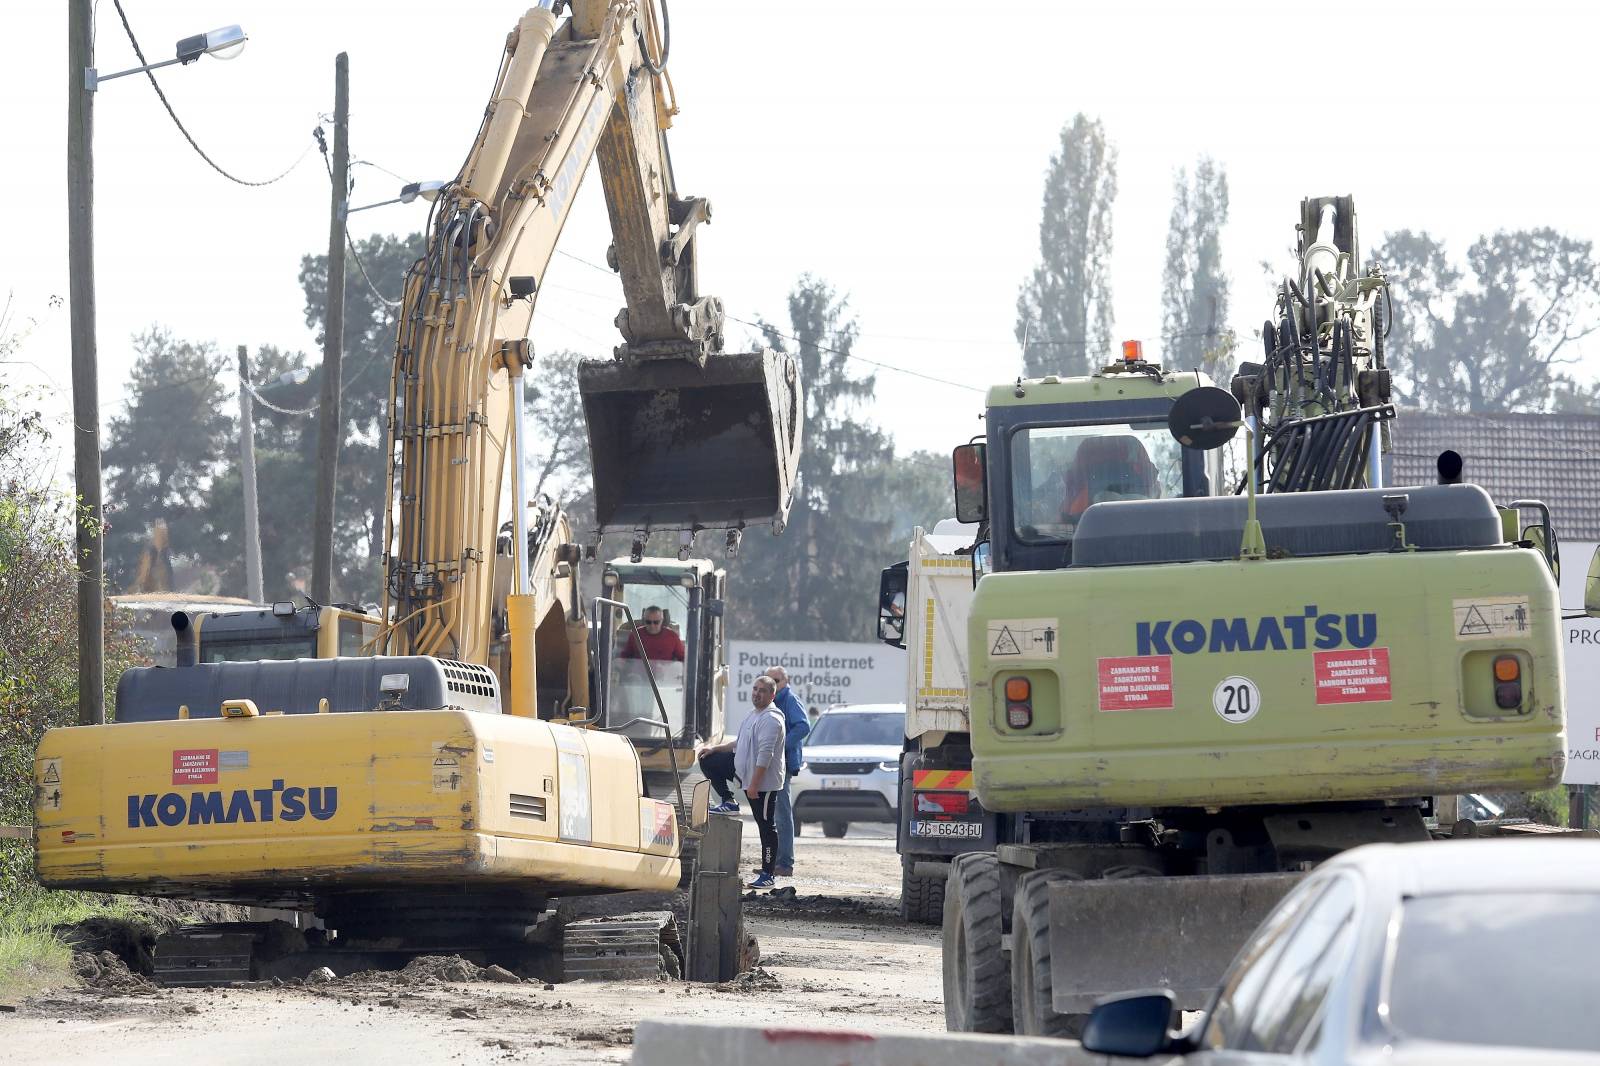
1236, 699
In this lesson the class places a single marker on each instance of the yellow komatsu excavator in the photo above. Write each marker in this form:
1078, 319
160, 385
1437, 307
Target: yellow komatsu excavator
425, 794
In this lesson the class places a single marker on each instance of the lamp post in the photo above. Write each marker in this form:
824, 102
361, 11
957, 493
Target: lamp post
82, 82
409, 193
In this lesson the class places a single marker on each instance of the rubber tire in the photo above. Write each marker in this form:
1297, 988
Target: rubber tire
1031, 981
835, 829
977, 980
921, 898
799, 827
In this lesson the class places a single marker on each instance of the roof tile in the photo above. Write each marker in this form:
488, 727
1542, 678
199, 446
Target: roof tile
1549, 457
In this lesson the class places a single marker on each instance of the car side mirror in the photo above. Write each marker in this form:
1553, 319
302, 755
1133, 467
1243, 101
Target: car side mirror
892, 584
969, 463
1134, 1026
1591, 590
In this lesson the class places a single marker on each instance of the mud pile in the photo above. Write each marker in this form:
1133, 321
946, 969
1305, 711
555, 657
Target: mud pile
106, 972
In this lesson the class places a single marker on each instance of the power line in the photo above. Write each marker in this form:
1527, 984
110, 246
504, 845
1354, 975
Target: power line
765, 328
123, 15
820, 347
361, 266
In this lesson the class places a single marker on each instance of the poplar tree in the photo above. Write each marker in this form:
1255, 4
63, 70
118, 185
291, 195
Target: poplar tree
1064, 308
1194, 292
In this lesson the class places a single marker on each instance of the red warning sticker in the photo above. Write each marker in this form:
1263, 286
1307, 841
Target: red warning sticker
1136, 683
1353, 676
194, 766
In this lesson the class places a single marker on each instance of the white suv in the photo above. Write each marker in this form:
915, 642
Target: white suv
850, 768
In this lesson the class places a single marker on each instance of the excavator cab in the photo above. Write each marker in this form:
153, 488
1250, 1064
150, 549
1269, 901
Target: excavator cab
677, 445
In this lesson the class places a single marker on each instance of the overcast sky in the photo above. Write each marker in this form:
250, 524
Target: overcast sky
896, 149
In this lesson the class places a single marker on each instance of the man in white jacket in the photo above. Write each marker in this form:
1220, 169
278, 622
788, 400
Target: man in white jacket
758, 763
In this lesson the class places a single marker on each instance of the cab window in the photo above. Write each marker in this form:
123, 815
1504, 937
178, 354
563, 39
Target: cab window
353, 635
1058, 472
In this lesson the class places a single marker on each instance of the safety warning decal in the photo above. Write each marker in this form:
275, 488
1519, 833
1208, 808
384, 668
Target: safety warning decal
1353, 676
1024, 638
194, 766
655, 824
1136, 683
47, 793
1492, 618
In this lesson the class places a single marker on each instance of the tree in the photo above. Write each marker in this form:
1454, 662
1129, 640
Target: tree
38, 618
1194, 292
809, 583
1064, 308
558, 433
1496, 336
285, 450
374, 286
162, 453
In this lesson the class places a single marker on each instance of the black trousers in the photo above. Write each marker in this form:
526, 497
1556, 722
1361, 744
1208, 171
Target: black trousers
765, 808
717, 767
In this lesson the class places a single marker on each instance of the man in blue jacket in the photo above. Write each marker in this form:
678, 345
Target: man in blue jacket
796, 726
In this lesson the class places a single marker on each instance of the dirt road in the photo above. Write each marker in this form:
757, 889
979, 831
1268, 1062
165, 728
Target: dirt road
838, 956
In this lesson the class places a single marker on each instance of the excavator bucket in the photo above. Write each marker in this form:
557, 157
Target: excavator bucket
679, 446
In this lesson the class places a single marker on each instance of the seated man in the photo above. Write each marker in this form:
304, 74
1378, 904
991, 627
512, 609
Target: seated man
660, 643
1111, 467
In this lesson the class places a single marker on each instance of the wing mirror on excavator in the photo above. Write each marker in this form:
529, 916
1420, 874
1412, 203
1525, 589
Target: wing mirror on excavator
1205, 418
700, 806
969, 462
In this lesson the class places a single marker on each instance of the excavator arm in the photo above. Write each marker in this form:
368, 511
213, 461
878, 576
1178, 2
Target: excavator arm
591, 86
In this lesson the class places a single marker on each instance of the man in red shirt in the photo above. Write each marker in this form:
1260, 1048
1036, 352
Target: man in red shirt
660, 643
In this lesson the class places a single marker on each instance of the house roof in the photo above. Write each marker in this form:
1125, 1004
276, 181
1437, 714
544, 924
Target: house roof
1549, 457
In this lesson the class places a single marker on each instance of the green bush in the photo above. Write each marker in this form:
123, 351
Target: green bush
38, 623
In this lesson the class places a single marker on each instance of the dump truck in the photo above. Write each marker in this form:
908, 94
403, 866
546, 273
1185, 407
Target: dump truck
1181, 701
922, 610
430, 792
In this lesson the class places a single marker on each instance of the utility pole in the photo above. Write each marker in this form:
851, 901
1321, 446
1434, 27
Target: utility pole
329, 423
85, 372
247, 464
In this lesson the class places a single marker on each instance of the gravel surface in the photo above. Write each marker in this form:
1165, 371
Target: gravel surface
834, 954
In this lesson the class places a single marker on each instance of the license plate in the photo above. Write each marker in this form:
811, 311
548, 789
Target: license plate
973, 830
840, 782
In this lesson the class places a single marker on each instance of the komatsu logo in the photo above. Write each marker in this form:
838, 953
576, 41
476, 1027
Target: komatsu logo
275, 804
1310, 628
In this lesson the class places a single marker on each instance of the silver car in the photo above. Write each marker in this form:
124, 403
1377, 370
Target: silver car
1484, 951
851, 767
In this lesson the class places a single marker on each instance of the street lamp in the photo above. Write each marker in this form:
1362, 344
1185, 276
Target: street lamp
82, 81
224, 43
416, 190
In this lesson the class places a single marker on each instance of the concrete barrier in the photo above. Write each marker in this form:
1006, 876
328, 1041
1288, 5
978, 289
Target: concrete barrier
675, 1043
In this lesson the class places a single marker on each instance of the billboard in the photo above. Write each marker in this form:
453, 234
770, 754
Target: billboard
822, 673
1581, 651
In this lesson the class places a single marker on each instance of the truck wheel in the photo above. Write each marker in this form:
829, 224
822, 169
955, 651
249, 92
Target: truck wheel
835, 829
1031, 983
921, 898
977, 984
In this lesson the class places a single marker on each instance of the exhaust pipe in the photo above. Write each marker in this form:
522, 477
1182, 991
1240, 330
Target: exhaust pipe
186, 633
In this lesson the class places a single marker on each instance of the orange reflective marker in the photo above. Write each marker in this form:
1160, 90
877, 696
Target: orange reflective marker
1507, 668
1018, 689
